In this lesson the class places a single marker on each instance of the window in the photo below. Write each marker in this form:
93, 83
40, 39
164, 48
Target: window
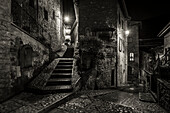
24, 17
122, 24
132, 58
119, 19
31, 3
167, 54
45, 14
53, 15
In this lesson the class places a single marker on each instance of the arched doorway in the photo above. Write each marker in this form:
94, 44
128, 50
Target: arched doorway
26, 56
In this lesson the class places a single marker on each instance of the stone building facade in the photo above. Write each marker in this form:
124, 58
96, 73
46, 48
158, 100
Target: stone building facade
133, 51
108, 22
30, 30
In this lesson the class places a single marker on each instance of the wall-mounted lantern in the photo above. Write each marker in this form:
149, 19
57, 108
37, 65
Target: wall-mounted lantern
127, 32
66, 19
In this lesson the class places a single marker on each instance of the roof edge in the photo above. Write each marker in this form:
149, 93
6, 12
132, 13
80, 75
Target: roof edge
124, 9
164, 30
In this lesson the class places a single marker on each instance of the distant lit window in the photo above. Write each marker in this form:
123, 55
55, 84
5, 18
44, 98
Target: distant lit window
45, 14
132, 57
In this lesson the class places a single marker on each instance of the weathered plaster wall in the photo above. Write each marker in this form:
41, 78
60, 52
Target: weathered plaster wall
12, 76
105, 67
121, 49
133, 47
53, 26
5, 74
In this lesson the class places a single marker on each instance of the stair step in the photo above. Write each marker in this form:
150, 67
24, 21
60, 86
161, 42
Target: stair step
62, 71
59, 79
61, 87
61, 75
64, 66
56, 83
65, 63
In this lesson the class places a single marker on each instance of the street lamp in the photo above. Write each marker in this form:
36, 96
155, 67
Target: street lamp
66, 19
127, 32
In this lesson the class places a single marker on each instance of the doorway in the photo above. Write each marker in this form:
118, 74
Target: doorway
113, 78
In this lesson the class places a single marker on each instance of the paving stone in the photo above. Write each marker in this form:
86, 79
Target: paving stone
30, 103
115, 102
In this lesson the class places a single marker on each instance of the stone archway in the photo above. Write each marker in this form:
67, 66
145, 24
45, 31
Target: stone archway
26, 56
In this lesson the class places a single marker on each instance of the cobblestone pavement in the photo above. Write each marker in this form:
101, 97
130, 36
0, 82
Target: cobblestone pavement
98, 101
114, 101
30, 103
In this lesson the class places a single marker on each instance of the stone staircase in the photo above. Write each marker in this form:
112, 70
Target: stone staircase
61, 78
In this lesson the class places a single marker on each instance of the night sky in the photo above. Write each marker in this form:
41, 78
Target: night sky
145, 9
154, 14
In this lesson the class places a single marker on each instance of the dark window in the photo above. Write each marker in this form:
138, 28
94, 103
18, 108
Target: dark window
24, 17
122, 24
119, 19
45, 14
31, 3
53, 15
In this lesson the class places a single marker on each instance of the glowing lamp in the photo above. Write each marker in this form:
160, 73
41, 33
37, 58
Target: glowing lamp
127, 32
67, 19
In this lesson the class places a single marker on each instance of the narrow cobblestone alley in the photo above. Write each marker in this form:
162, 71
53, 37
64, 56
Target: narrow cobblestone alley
113, 101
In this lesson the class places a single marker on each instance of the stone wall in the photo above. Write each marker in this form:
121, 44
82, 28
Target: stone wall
5, 74
163, 94
121, 48
167, 40
133, 47
54, 25
21, 54
97, 15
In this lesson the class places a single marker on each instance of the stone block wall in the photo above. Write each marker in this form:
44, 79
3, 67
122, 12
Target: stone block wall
133, 47
163, 94
122, 61
5, 61
15, 70
96, 15
167, 40
54, 25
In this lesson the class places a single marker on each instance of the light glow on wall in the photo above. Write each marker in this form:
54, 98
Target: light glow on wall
127, 32
68, 37
68, 31
66, 19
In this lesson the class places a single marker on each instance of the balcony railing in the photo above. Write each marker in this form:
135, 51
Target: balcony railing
27, 21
